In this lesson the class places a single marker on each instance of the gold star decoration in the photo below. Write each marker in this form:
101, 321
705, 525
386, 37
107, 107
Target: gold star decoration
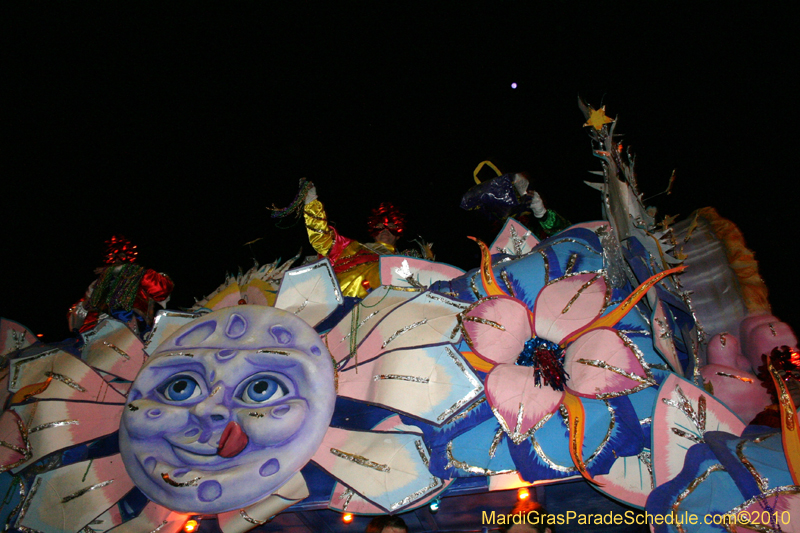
598, 118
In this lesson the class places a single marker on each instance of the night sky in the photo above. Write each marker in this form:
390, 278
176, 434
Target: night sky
176, 124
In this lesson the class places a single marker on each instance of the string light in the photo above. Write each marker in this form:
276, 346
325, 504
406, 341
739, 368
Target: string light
434, 505
190, 526
347, 518
523, 494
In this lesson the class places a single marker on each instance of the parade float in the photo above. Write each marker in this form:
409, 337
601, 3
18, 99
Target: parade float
632, 355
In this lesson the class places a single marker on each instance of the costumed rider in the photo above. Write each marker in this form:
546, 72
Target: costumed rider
123, 289
510, 195
356, 264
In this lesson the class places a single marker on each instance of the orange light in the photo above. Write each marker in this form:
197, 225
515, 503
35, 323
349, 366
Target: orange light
40, 335
347, 518
523, 494
190, 526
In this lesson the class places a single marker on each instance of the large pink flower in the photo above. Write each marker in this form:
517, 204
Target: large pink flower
565, 321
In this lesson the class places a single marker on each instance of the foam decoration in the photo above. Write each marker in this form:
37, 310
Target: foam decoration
513, 239
630, 479
725, 349
427, 319
430, 383
165, 323
55, 425
746, 328
68, 378
765, 337
310, 292
113, 348
153, 518
601, 364
569, 305
663, 336
15, 448
682, 414
740, 391
344, 498
517, 402
67, 499
388, 469
227, 410
496, 328
14, 336
404, 271
257, 514
744, 477
343, 338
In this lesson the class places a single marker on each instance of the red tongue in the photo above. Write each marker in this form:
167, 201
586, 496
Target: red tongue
232, 441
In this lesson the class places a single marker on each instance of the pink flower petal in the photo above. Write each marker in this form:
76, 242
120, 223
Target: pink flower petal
600, 363
497, 329
568, 305
511, 390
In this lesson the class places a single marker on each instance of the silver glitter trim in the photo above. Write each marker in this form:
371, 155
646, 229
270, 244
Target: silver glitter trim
361, 461
323, 265
176, 354
433, 485
132, 407
413, 379
740, 378
160, 527
65, 380
255, 415
463, 414
477, 470
300, 309
403, 330
546, 266
169, 481
579, 292
117, 349
28, 500
692, 486
275, 352
684, 434
423, 453
507, 281
474, 286
646, 458
83, 491
55, 424
247, 518
643, 382
571, 263
347, 495
495, 442
437, 298
16, 368
684, 405
763, 483
477, 388
215, 391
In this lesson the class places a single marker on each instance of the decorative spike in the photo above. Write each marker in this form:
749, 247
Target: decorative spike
623, 308
577, 418
490, 284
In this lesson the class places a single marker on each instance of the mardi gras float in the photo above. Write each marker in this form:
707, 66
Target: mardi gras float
625, 353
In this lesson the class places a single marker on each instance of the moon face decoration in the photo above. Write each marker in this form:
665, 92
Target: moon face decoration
227, 410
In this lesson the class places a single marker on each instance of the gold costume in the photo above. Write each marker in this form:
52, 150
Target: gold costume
356, 265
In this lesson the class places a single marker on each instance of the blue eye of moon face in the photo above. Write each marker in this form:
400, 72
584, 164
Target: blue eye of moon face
264, 389
181, 389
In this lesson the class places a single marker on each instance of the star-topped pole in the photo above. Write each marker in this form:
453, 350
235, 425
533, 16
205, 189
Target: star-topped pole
598, 118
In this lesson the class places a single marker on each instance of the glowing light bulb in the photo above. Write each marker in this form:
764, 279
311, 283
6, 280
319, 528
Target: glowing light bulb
190, 526
434, 505
347, 518
514, 85
523, 494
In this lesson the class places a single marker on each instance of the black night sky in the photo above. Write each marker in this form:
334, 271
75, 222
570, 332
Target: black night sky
176, 124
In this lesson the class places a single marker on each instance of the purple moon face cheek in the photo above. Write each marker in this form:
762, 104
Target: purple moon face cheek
270, 426
257, 378
150, 421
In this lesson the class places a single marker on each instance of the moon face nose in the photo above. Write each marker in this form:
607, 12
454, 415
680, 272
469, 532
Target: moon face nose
232, 441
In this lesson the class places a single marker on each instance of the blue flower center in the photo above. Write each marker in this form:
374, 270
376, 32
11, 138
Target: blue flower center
547, 360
